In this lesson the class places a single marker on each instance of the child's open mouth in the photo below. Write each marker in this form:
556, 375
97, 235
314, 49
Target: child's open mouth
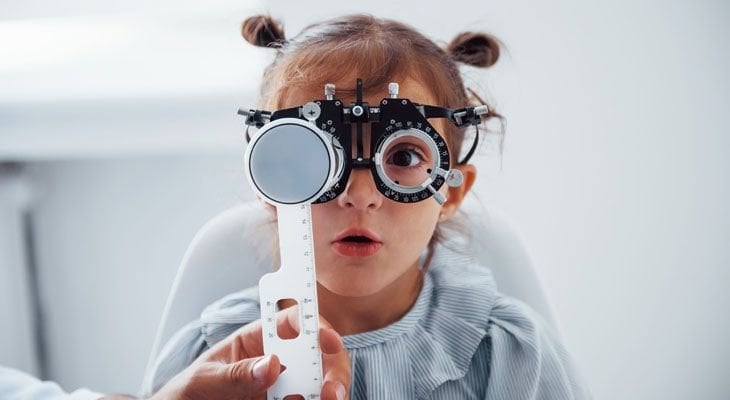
357, 243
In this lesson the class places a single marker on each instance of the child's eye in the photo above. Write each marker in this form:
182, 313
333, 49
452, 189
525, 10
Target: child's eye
405, 158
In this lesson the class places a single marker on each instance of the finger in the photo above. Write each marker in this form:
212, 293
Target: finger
247, 341
332, 390
330, 341
287, 322
337, 370
250, 377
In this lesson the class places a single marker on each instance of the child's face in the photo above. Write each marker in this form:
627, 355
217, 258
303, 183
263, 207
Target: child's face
402, 230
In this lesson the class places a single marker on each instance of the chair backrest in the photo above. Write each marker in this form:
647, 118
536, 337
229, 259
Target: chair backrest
229, 253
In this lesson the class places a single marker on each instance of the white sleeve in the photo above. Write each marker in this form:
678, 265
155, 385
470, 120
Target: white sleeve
17, 385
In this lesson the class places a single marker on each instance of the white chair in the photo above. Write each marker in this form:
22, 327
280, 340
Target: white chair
231, 252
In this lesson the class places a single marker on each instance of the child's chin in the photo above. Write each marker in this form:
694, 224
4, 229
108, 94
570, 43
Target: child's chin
351, 287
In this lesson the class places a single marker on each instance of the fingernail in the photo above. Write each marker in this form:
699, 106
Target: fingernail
340, 391
260, 368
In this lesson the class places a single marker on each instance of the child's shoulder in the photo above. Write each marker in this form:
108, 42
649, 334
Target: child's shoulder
526, 349
245, 298
224, 316
524, 352
469, 291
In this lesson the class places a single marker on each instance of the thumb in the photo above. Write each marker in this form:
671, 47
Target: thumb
251, 376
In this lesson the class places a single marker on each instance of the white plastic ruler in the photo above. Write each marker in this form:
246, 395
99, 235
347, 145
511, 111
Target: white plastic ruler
296, 279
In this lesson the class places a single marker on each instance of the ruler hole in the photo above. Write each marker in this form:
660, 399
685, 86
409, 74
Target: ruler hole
287, 322
294, 397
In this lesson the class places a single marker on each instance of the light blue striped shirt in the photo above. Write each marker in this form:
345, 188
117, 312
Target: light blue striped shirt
462, 339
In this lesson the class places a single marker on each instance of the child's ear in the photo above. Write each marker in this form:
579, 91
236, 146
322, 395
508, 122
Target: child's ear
456, 195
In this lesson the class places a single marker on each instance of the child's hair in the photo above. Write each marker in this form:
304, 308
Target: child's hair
378, 51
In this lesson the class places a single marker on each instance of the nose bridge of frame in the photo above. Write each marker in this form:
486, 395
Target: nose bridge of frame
367, 136
361, 182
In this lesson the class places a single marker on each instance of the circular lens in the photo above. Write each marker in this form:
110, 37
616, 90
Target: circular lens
407, 160
289, 163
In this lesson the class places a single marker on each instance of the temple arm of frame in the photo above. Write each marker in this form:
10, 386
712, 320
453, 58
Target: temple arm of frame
258, 118
461, 117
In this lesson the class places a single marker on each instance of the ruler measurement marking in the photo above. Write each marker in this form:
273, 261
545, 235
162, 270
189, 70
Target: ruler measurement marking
297, 267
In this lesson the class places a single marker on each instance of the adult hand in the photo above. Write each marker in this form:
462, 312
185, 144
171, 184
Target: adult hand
236, 369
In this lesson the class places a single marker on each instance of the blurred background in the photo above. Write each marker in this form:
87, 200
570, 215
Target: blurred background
119, 139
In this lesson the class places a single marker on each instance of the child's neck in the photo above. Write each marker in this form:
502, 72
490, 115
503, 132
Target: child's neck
351, 315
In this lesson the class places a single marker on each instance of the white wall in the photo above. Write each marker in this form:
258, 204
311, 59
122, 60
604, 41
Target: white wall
18, 344
110, 235
616, 169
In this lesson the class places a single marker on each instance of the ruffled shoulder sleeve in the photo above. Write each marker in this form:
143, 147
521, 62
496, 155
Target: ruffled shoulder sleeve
527, 360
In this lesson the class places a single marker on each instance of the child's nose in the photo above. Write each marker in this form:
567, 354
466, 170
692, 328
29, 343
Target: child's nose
360, 192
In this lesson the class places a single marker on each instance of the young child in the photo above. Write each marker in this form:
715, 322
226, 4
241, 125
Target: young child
412, 330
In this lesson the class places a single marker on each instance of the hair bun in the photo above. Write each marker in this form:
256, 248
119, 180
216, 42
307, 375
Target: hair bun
474, 48
262, 30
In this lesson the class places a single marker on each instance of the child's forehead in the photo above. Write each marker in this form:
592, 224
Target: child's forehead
409, 88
